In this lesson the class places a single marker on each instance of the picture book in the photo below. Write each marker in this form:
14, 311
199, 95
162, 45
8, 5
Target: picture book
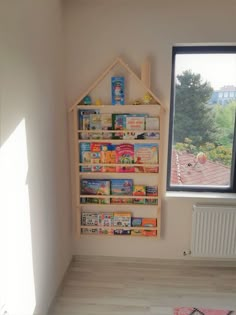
118, 123
95, 187
122, 232
149, 222
136, 221
106, 231
89, 231
152, 123
89, 218
106, 219
85, 156
117, 90
121, 187
108, 156
94, 200
139, 190
146, 153
134, 123
96, 156
84, 121
136, 232
106, 122
95, 124
125, 155
149, 232
151, 191
122, 219
121, 201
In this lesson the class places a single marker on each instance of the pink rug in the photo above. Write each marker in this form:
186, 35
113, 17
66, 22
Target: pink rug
200, 311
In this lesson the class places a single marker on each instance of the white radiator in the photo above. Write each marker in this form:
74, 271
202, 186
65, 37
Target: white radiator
213, 231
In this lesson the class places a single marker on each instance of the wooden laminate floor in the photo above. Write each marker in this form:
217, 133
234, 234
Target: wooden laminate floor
102, 286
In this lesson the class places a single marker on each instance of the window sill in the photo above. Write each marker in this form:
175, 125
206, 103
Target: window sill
200, 195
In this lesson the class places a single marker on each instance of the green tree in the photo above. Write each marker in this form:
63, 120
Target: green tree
193, 119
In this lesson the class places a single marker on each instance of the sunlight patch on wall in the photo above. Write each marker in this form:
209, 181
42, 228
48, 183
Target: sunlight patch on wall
16, 269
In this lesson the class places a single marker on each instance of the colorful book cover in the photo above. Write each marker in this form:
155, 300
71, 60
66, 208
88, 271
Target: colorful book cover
152, 123
152, 191
135, 222
122, 219
89, 218
84, 121
125, 155
133, 123
139, 190
149, 222
106, 219
95, 187
149, 232
118, 123
122, 232
96, 156
121, 187
146, 153
117, 90
85, 156
108, 156
106, 231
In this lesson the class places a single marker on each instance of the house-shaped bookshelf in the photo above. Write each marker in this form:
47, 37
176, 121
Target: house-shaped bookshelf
89, 152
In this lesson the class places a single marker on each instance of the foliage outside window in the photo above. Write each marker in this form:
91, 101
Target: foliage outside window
202, 119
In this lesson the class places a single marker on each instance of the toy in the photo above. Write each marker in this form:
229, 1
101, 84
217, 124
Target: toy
98, 102
87, 100
117, 84
147, 98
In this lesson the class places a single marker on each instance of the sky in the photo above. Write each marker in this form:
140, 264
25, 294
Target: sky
218, 69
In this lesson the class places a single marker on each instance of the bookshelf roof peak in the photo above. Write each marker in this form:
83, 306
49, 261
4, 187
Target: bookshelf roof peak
118, 60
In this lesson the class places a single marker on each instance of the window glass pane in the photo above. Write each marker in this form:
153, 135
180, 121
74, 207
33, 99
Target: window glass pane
203, 120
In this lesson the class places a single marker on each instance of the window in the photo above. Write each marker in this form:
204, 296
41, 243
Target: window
201, 155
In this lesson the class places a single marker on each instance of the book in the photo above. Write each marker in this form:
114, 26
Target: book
122, 232
121, 187
89, 218
151, 191
146, 153
135, 222
106, 122
122, 219
139, 190
84, 121
136, 232
152, 123
96, 156
118, 123
133, 123
149, 232
95, 124
95, 187
106, 231
117, 90
108, 156
89, 231
106, 219
149, 222
85, 156
125, 155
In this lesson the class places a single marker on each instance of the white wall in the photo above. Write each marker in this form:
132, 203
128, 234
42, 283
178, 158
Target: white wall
96, 32
35, 199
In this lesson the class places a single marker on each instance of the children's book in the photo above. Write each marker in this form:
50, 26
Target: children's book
118, 123
146, 153
95, 124
85, 157
139, 190
96, 156
152, 191
84, 121
136, 232
89, 218
89, 231
122, 232
149, 232
106, 231
125, 155
95, 187
133, 123
108, 156
121, 187
117, 90
136, 221
149, 222
152, 123
106, 219
106, 122
122, 219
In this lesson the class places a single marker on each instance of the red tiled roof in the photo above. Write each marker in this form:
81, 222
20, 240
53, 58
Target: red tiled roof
185, 171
